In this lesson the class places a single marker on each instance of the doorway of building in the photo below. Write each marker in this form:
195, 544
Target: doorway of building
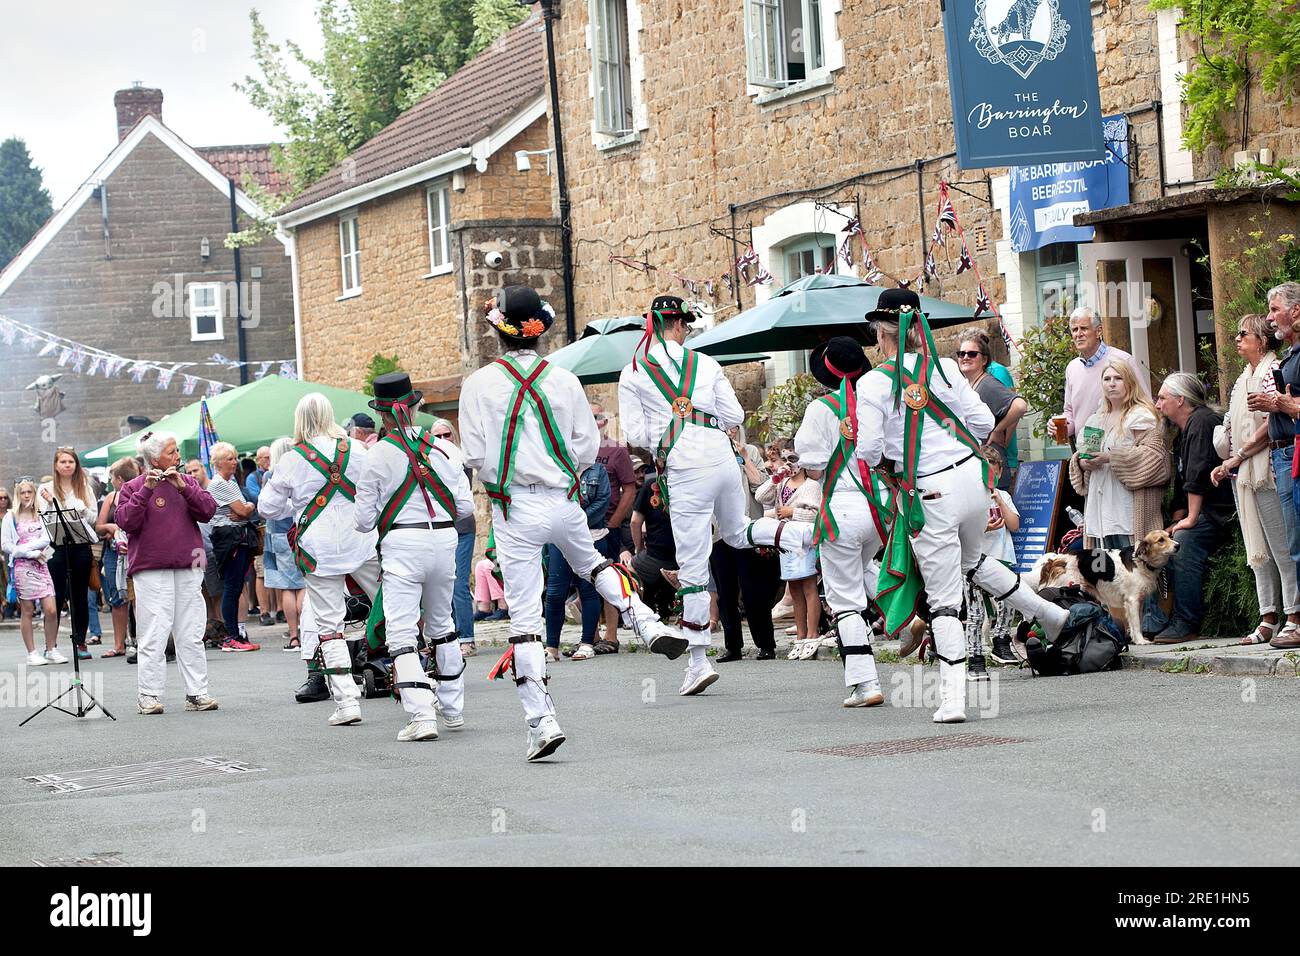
1143, 292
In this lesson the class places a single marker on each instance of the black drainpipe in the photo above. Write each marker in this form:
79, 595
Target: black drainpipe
239, 290
551, 13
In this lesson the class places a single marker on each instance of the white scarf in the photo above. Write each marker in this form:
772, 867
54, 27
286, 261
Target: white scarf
1255, 475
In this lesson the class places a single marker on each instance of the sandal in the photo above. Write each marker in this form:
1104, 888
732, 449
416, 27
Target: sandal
552, 655
292, 644
114, 652
605, 647
583, 652
809, 649
1256, 637
94, 640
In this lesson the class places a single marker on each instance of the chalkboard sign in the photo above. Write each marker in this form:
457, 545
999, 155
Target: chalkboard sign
1038, 486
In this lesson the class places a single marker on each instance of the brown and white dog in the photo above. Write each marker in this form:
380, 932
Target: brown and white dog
1121, 578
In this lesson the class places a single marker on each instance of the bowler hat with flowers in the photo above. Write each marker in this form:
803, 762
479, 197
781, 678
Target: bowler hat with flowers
519, 314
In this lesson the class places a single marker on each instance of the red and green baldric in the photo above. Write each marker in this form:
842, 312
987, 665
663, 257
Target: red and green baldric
873, 488
683, 409
528, 394
900, 582
336, 483
419, 475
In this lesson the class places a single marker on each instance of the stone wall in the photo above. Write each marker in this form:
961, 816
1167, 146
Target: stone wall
126, 298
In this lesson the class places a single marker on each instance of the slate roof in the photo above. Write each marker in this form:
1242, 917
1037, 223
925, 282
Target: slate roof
469, 104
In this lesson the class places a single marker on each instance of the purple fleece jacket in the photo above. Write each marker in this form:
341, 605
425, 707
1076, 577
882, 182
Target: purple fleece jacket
161, 524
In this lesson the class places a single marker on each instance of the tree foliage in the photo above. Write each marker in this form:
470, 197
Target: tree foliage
1045, 352
782, 411
24, 200
380, 364
379, 57
1241, 41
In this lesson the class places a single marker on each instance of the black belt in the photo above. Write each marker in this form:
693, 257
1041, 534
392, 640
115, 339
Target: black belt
430, 525
955, 464
1281, 443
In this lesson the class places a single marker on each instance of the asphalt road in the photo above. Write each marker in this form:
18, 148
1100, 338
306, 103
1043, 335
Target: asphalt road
1135, 767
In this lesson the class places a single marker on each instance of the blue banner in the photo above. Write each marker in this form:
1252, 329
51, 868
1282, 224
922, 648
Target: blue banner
1023, 80
1046, 198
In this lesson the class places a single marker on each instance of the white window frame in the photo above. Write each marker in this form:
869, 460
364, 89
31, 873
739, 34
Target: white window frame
612, 67
439, 195
213, 311
606, 134
767, 65
350, 258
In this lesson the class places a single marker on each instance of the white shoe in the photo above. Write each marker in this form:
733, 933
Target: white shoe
583, 652
453, 723
952, 694
149, 705
544, 739
697, 679
866, 694
783, 612
54, 657
343, 716
36, 659
200, 703
419, 730
660, 638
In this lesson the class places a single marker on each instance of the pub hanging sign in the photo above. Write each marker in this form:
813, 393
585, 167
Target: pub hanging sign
1023, 79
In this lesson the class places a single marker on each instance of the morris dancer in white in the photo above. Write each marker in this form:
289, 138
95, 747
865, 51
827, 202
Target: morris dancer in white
527, 427
856, 510
919, 412
315, 483
679, 402
413, 489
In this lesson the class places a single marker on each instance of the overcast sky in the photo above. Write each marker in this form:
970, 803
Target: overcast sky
62, 60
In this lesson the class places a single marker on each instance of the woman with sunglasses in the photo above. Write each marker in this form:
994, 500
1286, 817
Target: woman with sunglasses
792, 495
973, 358
1258, 509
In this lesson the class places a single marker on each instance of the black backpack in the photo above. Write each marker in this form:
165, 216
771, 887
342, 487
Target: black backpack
1090, 641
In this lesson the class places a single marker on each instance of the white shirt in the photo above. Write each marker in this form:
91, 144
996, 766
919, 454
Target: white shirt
645, 414
1108, 509
332, 539
815, 442
386, 469
485, 413
880, 426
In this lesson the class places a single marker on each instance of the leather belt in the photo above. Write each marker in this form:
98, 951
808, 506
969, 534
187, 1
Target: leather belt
955, 464
422, 525
1281, 443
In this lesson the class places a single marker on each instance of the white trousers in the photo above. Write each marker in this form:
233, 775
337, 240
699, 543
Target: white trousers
419, 572
327, 594
541, 516
170, 603
844, 574
697, 496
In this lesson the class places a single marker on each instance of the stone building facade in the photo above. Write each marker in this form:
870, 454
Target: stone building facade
685, 158
422, 212
114, 270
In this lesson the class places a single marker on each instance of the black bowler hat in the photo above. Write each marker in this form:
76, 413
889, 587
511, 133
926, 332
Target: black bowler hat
393, 388
891, 302
838, 359
671, 307
519, 313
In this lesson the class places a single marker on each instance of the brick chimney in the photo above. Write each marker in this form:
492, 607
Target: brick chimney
134, 103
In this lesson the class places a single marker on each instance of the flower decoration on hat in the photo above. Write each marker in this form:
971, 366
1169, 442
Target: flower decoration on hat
663, 308
519, 313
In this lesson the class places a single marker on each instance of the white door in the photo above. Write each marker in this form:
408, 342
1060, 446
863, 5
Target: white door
1143, 291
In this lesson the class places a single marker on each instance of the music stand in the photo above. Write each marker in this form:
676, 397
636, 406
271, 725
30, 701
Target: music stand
81, 693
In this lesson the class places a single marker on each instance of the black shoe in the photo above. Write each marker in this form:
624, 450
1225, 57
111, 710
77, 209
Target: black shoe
279, 618
313, 689
131, 655
729, 655
1002, 652
765, 654
265, 619
975, 669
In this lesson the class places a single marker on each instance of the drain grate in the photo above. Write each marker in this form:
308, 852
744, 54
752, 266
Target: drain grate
912, 745
135, 774
95, 859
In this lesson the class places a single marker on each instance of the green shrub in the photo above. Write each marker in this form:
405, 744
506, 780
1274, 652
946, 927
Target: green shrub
1231, 606
1045, 352
379, 365
782, 411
